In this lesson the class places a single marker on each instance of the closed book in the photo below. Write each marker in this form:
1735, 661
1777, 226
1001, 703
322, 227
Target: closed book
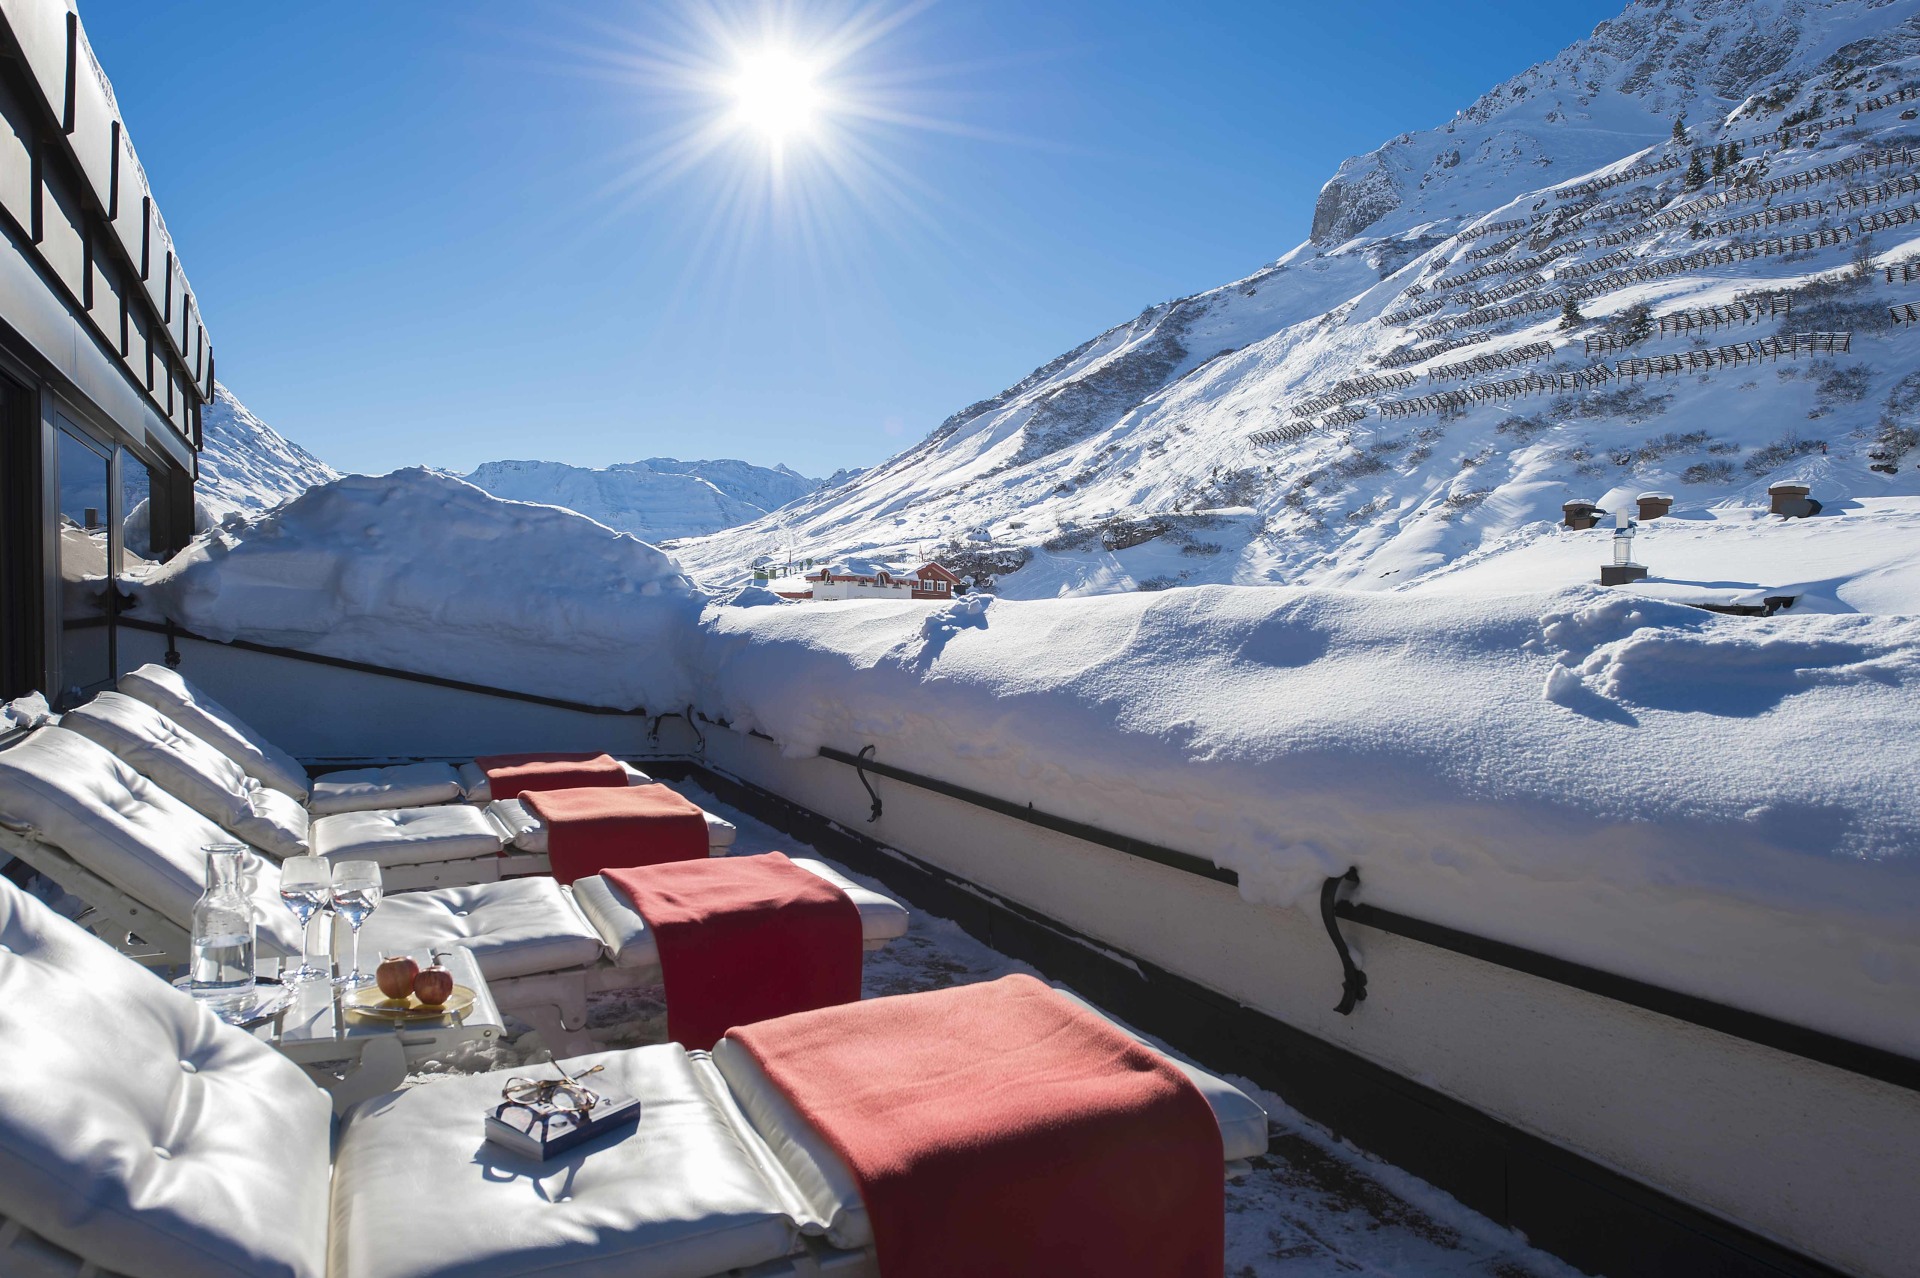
540, 1136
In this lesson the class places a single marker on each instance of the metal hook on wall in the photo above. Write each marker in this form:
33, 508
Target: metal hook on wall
866, 752
1353, 981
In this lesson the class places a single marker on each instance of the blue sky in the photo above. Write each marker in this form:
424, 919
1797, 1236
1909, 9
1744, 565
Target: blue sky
437, 233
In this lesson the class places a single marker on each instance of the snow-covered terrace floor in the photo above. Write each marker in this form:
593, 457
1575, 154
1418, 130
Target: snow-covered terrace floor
1312, 1206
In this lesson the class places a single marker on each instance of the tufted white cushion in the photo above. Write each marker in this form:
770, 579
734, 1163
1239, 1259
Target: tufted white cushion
68, 792
192, 771
194, 710
138, 1131
480, 790
823, 1179
682, 1195
408, 836
403, 785
633, 943
515, 927
529, 833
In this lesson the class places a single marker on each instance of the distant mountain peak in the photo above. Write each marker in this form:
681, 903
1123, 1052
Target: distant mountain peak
658, 499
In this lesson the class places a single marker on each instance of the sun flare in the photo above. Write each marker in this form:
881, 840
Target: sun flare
776, 95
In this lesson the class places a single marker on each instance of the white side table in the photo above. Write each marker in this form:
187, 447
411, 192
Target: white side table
317, 1028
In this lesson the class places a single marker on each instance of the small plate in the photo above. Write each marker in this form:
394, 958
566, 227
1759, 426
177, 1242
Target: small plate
371, 1003
268, 1000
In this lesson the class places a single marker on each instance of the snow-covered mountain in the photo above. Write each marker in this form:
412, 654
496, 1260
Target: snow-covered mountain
656, 500
1398, 393
246, 465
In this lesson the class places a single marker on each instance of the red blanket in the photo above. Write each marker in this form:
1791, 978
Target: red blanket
743, 939
511, 775
592, 830
1001, 1129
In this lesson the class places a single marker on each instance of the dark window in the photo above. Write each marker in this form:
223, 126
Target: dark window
84, 525
20, 566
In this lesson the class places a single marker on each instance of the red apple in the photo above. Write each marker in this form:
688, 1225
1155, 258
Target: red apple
395, 975
434, 985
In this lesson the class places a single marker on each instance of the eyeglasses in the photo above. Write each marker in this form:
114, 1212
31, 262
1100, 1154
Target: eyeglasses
545, 1098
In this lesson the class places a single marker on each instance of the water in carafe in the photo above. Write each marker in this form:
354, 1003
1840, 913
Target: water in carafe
220, 966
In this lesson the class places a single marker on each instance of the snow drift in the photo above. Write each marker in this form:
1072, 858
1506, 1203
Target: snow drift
1627, 782
420, 571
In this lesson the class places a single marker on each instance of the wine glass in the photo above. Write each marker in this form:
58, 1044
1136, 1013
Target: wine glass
306, 885
356, 893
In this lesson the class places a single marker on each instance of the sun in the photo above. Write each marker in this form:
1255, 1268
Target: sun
776, 94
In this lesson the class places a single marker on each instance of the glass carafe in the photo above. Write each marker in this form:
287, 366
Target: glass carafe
221, 964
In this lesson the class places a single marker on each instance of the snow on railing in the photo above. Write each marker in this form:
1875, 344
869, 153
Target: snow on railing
1351, 388
1491, 314
1491, 228
1905, 93
1908, 271
1877, 194
1491, 360
1513, 388
1888, 217
1495, 249
1415, 311
1905, 313
1592, 185
1581, 270
1415, 354
1735, 354
1769, 216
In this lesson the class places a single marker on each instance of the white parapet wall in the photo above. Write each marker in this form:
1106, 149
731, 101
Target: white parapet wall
1818, 1158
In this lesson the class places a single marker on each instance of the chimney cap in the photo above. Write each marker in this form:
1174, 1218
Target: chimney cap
1655, 497
1790, 486
1579, 502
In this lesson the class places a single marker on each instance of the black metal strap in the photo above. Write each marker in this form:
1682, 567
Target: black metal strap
1353, 981
700, 738
860, 770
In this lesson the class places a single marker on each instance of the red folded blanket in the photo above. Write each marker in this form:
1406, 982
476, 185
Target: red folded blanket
592, 830
745, 938
1002, 1129
511, 775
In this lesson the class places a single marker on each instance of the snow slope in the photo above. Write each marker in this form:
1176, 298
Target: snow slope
246, 465
1107, 469
421, 571
657, 499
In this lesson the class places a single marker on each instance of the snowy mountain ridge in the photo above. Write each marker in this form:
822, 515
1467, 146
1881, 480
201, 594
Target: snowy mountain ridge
247, 466
1273, 430
656, 500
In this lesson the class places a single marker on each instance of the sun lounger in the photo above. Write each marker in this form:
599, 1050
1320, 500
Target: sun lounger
425, 847
140, 1136
118, 841
400, 785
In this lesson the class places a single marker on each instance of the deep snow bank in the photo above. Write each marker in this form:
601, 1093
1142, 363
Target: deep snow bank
1715, 803
424, 572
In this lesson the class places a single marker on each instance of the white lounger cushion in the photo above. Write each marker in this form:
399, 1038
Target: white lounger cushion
529, 832
633, 943
192, 771
408, 836
404, 785
194, 710
515, 927
682, 1195
480, 790
66, 791
139, 1132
